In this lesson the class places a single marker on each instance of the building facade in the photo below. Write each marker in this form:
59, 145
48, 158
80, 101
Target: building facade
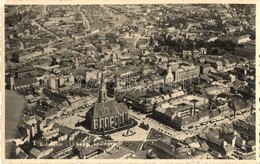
187, 72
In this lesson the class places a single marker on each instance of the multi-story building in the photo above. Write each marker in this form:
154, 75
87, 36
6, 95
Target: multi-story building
205, 68
24, 71
19, 83
187, 72
216, 64
55, 82
142, 100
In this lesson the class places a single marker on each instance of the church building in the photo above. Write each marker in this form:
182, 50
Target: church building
105, 114
169, 76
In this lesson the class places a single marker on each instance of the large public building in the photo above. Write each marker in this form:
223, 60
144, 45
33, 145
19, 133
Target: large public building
107, 114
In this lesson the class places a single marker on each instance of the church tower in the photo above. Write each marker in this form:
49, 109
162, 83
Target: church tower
169, 77
103, 89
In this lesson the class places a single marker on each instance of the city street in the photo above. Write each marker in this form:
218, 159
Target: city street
71, 120
156, 125
140, 135
182, 134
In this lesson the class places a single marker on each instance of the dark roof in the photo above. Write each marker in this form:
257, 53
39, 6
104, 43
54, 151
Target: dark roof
251, 119
202, 136
169, 112
152, 93
140, 155
109, 108
63, 129
212, 138
237, 104
250, 143
203, 114
80, 137
21, 82
45, 113
22, 155
184, 107
189, 140
65, 145
239, 141
25, 69
197, 152
86, 151
215, 153
214, 113
134, 96
228, 136
161, 71
63, 105
35, 152
22, 131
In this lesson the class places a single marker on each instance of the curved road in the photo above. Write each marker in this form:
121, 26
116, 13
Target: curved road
85, 19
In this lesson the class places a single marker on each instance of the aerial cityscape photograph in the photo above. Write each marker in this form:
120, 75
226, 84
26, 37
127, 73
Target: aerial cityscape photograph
130, 81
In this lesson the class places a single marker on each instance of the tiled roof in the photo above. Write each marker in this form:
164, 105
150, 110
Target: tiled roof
188, 120
213, 139
80, 137
63, 129
109, 108
86, 151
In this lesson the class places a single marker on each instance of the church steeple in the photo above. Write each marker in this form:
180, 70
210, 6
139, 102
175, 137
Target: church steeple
169, 76
103, 89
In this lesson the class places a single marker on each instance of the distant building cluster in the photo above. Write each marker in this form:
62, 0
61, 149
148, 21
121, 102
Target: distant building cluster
177, 80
